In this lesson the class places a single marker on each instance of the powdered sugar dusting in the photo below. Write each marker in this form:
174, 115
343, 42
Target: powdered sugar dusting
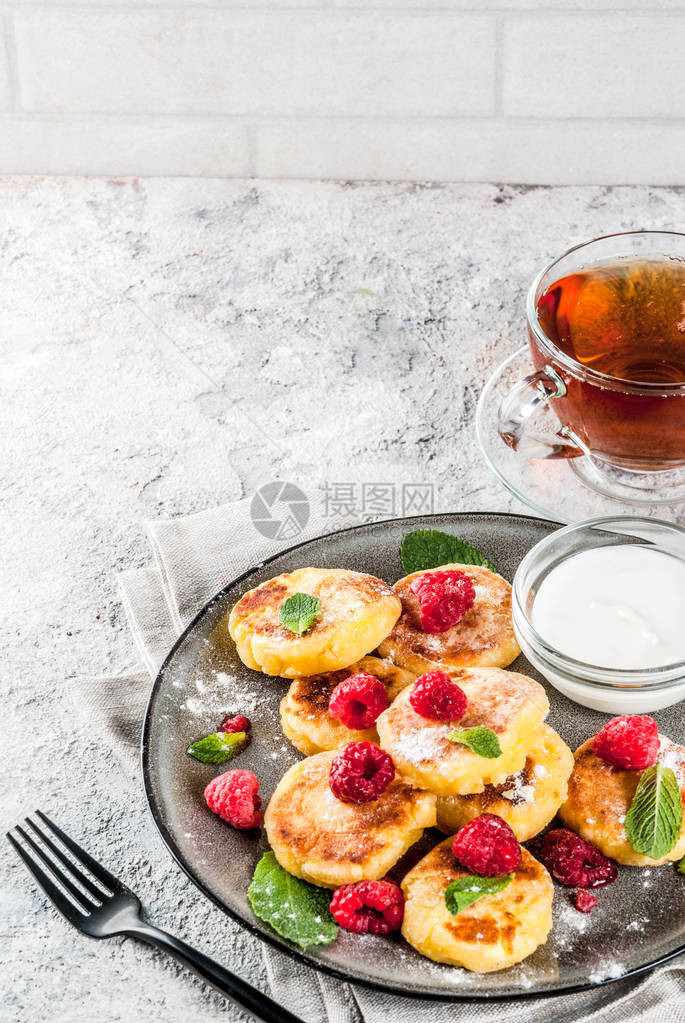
518, 792
422, 744
329, 808
607, 971
569, 925
221, 696
673, 756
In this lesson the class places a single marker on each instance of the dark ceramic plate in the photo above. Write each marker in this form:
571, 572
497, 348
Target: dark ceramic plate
640, 920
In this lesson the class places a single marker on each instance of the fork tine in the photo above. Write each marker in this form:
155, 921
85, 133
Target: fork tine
82, 878
63, 904
97, 870
64, 879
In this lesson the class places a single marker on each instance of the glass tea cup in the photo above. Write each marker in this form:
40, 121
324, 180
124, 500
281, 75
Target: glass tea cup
605, 322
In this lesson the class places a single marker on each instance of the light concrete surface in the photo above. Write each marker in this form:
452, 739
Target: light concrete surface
155, 335
532, 91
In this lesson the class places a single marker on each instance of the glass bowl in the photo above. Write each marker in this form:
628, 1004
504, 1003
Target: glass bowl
612, 690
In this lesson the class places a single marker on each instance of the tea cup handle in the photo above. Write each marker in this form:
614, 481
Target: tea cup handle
518, 408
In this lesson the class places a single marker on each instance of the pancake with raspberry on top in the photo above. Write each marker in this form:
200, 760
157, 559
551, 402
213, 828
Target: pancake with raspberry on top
346, 816
455, 616
313, 724
605, 777
416, 728
499, 928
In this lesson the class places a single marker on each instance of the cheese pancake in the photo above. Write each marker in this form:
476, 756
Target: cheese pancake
509, 704
356, 612
330, 843
484, 636
528, 800
599, 797
492, 933
304, 709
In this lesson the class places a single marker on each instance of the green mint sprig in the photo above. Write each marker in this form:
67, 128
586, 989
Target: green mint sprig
430, 548
655, 816
218, 747
296, 910
681, 866
298, 612
466, 890
481, 741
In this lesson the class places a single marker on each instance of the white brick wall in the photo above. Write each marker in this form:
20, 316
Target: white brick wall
302, 63
566, 91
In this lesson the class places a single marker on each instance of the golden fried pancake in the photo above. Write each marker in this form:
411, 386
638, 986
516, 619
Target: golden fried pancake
357, 611
304, 709
509, 704
494, 932
599, 797
484, 636
330, 843
528, 800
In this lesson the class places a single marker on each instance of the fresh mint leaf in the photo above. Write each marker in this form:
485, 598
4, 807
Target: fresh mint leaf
479, 740
296, 910
655, 816
681, 866
462, 892
298, 612
218, 747
429, 548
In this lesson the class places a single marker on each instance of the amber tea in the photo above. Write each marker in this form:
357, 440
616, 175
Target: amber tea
624, 319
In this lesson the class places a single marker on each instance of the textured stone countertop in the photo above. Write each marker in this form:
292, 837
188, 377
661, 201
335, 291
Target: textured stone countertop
151, 330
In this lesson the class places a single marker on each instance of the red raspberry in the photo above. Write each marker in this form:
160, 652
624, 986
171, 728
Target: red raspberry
360, 773
575, 862
234, 796
584, 901
358, 700
487, 846
235, 723
375, 906
630, 741
435, 696
445, 597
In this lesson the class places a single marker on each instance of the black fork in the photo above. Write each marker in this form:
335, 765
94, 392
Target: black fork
100, 905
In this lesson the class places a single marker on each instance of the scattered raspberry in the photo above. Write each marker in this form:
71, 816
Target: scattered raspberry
575, 862
584, 901
233, 795
630, 741
360, 773
487, 846
375, 906
445, 597
358, 700
235, 723
435, 696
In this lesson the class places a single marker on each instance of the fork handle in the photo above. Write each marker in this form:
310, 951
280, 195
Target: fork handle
229, 984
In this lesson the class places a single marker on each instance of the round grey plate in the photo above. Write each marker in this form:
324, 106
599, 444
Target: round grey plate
640, 920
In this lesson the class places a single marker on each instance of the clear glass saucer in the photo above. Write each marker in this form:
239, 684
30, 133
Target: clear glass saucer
565, 489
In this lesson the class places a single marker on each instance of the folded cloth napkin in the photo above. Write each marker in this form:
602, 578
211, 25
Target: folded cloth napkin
193, 557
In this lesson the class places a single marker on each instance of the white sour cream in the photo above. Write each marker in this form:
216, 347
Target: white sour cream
615, 607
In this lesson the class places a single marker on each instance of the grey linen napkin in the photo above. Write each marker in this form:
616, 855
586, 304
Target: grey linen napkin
193, 557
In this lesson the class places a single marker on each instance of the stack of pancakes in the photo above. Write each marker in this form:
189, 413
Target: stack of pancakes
330, 843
